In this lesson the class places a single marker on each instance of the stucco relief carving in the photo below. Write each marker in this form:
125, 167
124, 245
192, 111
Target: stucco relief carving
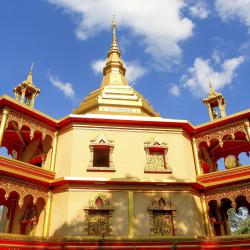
221, 132
230, 192
32, 124
156, 155
98, 216
23, 188
162, 215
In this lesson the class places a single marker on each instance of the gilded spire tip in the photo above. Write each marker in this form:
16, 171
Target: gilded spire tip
29, 78
114, 25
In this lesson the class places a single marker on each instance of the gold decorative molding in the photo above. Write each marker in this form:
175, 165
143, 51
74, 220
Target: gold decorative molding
230, 192
34, 126
220, 132
162, 215
23, 188
156, 156
98, 215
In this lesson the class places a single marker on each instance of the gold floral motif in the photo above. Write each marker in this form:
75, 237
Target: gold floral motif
161, 214
34, 126
220, 132
156, 159
229, 192
23, 188
98, 216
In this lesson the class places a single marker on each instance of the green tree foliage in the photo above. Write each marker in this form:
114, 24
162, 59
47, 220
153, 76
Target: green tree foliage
239, 222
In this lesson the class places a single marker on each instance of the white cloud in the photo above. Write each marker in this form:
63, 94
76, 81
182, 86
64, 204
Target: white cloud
217, 56
66, 88
174, 90
199, 10
134, 69
159, 25
196, 80
229, 9
97, 66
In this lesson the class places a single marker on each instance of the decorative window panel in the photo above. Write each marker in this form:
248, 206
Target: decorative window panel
98, 217
162, 214
156, 157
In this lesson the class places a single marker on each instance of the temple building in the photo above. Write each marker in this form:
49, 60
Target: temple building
114, 174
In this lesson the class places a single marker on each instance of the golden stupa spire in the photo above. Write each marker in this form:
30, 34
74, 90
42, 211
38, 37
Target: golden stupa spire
115, 96
114, 44
114, 70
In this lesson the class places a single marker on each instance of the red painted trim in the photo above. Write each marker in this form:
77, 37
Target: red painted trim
100, 170
226, 175
230, 244
188, 127
6, 101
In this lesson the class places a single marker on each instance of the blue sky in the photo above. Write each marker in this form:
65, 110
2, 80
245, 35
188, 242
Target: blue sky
170, 49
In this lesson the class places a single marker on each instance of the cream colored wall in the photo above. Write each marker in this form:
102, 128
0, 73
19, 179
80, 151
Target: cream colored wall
70, 219
129, 157
64, 154
189, 220
59, 214
68, 214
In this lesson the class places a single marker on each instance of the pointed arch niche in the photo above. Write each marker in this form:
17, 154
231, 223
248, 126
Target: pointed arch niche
156, 157
162, 217
98, 217
101, 154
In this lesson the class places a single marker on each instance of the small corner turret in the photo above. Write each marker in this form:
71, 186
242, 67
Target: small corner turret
216, 104
26, 92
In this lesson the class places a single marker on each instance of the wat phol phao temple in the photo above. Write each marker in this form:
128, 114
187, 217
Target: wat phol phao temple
113, 174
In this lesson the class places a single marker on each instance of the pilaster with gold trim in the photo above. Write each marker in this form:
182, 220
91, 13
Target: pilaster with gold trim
131, 214
54, 149
46, 224
196, 157
205, 215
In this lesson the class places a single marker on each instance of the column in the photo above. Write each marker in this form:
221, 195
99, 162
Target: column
3, 124
131, 214
196, 157
247, 126
47, 210
210, 112
219, 216
54, 149
23, 96
12, 209
205, 215
222, 109
32, 101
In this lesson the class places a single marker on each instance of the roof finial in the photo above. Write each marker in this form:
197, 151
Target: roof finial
211, 88
114, 45
29, 78
114, 25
